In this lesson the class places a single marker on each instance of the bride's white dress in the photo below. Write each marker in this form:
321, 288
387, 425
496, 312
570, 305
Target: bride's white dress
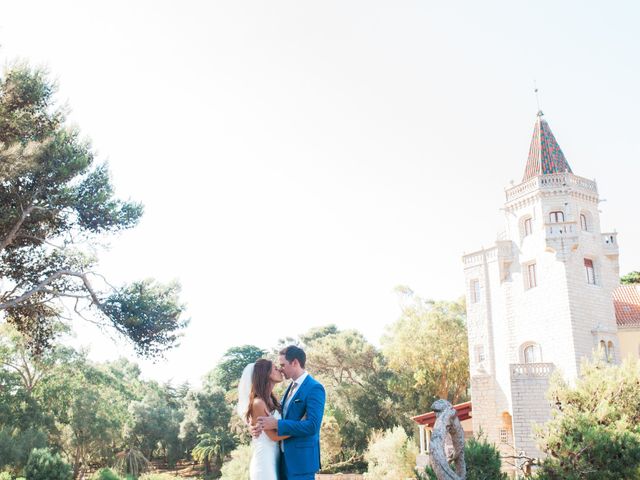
265, 457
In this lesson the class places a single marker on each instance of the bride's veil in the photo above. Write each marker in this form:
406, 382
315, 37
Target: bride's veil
244, 391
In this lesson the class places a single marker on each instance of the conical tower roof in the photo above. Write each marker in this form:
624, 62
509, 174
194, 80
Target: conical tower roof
545, 155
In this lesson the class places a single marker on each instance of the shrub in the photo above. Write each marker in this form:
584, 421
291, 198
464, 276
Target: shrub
44, 465
8, 449
482, 460
238, 467
595, 431
26, 442
105, 474
15, 448
391, 455
5, 476
158, 476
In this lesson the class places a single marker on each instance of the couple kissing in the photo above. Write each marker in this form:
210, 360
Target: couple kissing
286, 433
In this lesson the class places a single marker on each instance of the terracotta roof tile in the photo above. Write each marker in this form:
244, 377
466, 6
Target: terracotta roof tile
626, 300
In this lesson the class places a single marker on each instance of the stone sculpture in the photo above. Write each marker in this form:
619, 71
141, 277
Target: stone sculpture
447, 423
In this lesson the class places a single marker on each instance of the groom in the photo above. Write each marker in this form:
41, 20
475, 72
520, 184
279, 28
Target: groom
302, 411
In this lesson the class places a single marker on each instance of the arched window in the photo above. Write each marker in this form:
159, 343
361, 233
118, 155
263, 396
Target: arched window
556, 217
591, 272
474, 286
527, 226
531, 276
584, 224
608, 350
531, 353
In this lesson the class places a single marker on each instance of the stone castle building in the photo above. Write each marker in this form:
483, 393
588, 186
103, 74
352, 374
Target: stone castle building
542, 297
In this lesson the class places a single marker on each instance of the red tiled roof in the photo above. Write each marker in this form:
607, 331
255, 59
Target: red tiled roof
626, 300
545, 155
429, 419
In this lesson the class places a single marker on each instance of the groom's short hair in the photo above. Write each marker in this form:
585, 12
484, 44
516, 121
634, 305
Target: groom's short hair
292, 352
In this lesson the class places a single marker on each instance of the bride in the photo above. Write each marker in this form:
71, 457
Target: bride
256, 399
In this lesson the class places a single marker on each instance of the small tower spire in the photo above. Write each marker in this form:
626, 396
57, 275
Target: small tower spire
545, 155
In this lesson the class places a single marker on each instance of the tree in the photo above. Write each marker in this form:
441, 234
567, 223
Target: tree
55, 204
631, 277
594, 432
228, 371
153, 425
213, 448
358, 381
205, 429
427, 349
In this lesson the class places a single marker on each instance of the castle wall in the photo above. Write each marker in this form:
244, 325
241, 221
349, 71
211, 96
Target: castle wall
563, 315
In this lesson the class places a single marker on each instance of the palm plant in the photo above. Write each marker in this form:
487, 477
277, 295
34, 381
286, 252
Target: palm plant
131, 462
212, 448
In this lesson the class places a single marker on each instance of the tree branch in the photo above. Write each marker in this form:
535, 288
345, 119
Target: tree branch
16, 228
47, 281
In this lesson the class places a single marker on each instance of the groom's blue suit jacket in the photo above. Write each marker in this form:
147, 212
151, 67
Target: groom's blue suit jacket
302, 423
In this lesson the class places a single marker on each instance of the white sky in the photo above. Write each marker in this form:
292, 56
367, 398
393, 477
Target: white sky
299, 159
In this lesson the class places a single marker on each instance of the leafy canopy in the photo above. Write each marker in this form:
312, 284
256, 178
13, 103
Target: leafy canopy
631, 277
595, 430
56, 205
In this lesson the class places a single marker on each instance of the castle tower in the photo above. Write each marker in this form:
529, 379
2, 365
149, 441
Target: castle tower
539, 299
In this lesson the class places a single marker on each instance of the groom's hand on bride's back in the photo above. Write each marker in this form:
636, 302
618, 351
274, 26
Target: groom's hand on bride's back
268, 423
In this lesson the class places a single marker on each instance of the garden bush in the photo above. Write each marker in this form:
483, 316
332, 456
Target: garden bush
594, 433
238, 467
5, 476
44, 465
391, 455
483, 460
105, 474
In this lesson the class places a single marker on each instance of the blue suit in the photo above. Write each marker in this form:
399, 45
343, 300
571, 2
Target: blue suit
301, 459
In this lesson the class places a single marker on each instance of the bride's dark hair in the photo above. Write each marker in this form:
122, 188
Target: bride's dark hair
261, 387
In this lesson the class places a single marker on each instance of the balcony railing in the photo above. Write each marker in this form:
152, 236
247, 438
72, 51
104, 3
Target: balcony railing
548, 182
531, 370
560, 229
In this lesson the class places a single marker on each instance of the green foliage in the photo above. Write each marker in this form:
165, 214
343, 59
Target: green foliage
237, 468
148, 313
359, 397
44, 465
391, 455
213, 448
132, 463
105, 474
595, 431
16, 446
154, 425
631, 277
5, 475
229, 370
483, 460
56, 204
427, 350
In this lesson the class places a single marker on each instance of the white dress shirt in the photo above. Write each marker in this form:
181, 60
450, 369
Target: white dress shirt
292, 392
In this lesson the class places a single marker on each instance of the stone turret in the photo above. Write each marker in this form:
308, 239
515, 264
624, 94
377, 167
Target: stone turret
539, 299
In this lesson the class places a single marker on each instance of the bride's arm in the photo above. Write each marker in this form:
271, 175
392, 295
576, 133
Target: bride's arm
259, 409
